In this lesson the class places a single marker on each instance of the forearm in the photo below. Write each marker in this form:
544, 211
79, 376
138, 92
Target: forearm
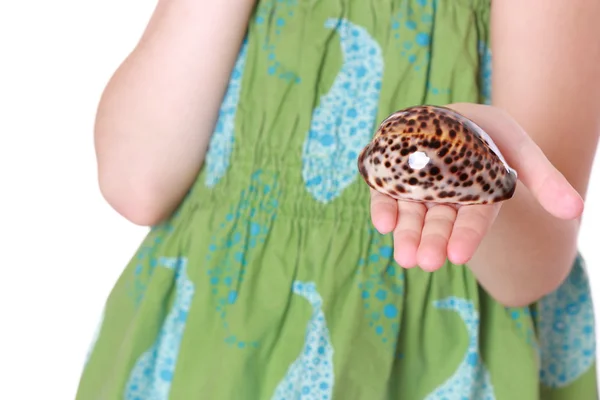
550, 84
158, 111
526, 254
529, 252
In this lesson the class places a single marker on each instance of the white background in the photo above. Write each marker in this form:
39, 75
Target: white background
61, 246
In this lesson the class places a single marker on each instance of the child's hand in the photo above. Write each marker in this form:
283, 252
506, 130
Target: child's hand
427, 234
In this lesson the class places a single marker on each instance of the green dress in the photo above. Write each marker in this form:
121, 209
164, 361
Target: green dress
270, 282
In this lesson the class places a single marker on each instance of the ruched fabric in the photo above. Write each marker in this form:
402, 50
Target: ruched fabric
269, 282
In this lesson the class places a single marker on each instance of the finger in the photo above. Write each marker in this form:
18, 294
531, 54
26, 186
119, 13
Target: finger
407, 233
439, 221
471, 225
384, 212
550, 188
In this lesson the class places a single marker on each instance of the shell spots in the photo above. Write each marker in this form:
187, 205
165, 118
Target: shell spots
245, 228
382, 290
434, 154
272, 17
341, 124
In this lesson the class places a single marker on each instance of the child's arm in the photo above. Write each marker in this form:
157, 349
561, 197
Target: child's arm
546, 75
158, 111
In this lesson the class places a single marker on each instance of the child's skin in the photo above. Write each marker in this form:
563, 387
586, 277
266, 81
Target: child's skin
159, 109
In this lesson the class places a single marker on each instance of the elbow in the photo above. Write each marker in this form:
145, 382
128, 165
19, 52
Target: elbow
551, 274
524, 299
138, 213
134, 202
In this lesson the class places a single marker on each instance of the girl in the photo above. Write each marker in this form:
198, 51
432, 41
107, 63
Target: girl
233, 129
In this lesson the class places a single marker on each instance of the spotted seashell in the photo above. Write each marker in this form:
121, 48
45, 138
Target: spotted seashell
434, 154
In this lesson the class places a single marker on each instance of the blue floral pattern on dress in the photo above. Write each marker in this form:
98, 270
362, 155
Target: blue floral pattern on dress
311, 375
342, 124
566, 330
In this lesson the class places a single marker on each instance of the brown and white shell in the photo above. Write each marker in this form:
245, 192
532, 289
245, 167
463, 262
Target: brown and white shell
436, 155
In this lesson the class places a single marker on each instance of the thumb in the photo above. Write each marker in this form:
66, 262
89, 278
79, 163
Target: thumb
550, 188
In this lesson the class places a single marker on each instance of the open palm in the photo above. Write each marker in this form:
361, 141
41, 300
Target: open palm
425, 235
